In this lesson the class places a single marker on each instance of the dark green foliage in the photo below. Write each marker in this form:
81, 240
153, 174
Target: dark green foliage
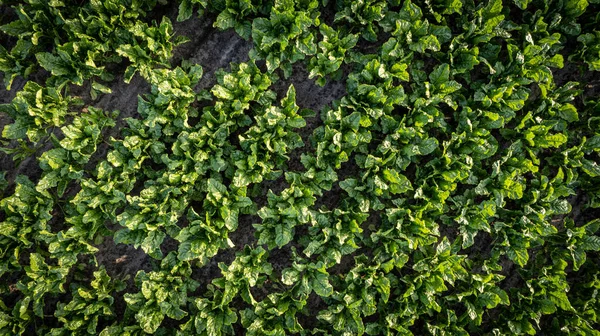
452, 190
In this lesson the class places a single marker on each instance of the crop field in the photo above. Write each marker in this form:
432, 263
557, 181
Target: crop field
299, 167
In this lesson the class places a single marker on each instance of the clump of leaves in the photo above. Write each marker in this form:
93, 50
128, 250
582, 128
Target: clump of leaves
162, 293
89, 306
333, 48
285, 37
362, 16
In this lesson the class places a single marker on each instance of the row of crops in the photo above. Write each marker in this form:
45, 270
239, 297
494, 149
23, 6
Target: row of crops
453, 189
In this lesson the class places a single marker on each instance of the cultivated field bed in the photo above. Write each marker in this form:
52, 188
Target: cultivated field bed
254, 167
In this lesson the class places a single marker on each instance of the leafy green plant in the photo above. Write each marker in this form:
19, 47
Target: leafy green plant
162, 293
275, 315
285, 37
66, 161
450, 190
365, 287
333, 49
74, 43
411, 32
590, 50
283, 213
266, 143
362, 14
239, 14
186, 8
36, 111
42, 280
333, 235
213, 318
89, 305
150, 46
27, 213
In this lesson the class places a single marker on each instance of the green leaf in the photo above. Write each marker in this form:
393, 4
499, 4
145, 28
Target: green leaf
579, 258
522, 3
561, 300
568, 112
152, 242
290, 276
574, 8
16, 130
471, 311
548, 307
590, 243
172, 311
427, 146
54, 64
185, 10
440, 75
283, 235
399, 182
590, 167
320, 284
150, 319
518, 255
